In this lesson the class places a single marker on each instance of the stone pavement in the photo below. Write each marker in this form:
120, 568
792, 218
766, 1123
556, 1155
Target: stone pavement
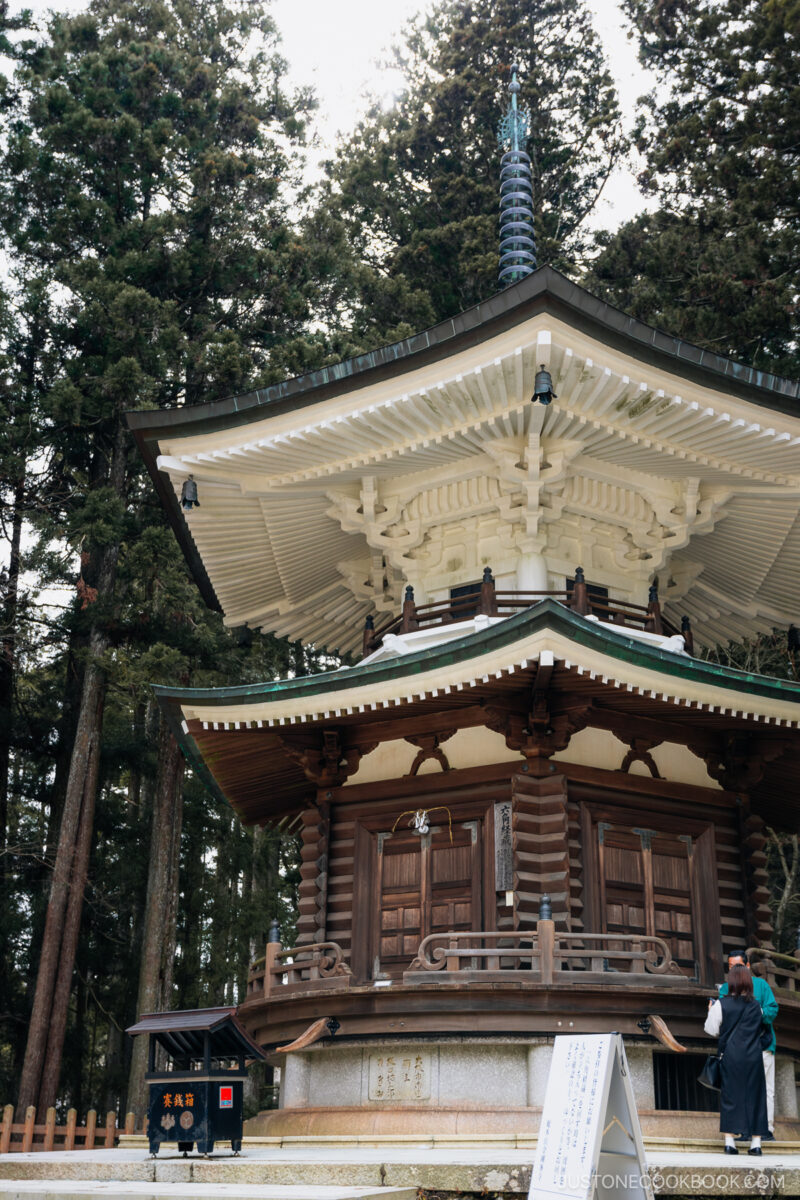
357, 1169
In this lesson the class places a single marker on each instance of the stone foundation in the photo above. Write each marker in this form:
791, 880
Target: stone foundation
461, 1086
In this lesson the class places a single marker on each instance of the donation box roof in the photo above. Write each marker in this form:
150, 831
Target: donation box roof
182, 1033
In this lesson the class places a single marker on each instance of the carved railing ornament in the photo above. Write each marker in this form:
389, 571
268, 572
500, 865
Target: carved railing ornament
446, 951
324, 959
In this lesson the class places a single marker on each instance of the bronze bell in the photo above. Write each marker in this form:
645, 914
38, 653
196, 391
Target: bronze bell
543, 387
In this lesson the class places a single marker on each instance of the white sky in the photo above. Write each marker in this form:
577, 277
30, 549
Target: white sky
334, 45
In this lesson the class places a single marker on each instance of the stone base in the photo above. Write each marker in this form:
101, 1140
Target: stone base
673, 1129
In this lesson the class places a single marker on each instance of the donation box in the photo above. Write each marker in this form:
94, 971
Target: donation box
196, 1098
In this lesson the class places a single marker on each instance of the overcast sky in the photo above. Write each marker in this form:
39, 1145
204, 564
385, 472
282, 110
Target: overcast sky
334, 45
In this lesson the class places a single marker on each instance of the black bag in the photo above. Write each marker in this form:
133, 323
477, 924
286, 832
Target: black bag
711, 1075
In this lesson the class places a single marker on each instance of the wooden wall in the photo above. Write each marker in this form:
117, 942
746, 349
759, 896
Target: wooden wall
549, 852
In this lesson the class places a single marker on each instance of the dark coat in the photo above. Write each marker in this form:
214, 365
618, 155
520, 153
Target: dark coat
743, 1095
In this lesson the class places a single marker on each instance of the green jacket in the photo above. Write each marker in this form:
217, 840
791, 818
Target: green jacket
769, 1005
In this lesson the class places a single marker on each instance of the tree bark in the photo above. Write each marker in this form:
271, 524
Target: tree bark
158, 934
56, 956
48, 1091
8, 662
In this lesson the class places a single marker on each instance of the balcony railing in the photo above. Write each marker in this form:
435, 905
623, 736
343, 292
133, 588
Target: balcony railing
489, 602
779, 970
543, 955
553, 956
298, 967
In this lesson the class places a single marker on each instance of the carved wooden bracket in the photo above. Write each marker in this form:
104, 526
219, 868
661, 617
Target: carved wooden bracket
429, 748
325, 761
541, 733
640, 752
739, 763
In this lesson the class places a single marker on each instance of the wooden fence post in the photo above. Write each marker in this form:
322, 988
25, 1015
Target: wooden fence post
27, 1133
653, 623
270, 959
409, 621
69, 1137
91, 1126
49, 1129
546, 937
130, 1122
111, 1129
580, 594
488, 604
5, 1129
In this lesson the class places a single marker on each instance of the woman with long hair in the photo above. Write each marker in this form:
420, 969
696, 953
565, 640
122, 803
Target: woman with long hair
736, 1020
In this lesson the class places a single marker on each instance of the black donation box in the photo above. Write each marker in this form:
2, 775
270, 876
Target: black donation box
196, 1099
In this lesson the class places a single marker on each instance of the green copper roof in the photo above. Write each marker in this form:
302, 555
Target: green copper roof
547, 614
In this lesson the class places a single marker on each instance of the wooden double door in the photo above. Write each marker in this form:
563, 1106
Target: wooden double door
422, 885
662, 883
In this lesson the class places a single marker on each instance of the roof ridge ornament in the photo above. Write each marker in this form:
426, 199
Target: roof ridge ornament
517, 238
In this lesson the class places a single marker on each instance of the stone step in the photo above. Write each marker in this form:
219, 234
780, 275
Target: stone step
73, 1189
326, 1171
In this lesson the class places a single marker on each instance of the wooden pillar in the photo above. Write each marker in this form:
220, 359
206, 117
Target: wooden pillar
757, 915
541, 847
313, 891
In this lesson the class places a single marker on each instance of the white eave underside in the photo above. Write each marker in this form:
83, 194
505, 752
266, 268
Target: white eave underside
278, 556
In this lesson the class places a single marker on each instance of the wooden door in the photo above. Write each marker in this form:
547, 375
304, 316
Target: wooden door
646, 887
425, 885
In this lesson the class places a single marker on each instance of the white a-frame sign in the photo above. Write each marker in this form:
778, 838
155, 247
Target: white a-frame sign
590, 1142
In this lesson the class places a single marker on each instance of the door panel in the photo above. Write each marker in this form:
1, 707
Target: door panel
424, 885
646, 887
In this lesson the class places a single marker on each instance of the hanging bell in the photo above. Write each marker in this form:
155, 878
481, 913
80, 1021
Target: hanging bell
543, 387
189, 494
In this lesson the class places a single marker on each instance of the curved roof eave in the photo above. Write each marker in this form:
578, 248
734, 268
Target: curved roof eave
502, 310
547, 613
546, 288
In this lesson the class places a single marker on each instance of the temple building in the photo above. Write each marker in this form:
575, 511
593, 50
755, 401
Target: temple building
527, 806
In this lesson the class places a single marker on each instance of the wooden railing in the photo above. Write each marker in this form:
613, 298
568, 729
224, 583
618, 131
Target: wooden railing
553, 956
26, 1136
487, 601
297, 966
779, 970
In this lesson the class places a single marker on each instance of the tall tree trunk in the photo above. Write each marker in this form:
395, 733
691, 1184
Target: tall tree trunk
48, 1091
8, 648
158, 935
57, 955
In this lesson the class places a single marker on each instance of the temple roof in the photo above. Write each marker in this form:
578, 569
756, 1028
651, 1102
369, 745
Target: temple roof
244, 740
321, 496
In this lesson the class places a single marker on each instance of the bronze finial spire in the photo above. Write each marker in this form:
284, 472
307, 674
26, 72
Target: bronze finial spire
517, 239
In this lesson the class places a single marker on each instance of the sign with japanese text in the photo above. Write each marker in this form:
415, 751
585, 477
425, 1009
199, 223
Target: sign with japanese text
226, 1096
503, 847
175, 1110
590, 1141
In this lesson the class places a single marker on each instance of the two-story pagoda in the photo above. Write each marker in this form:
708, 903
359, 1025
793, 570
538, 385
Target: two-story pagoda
520, 686
528, 808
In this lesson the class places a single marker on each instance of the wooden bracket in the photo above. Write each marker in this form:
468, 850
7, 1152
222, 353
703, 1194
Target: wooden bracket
661, 1032
324, 1027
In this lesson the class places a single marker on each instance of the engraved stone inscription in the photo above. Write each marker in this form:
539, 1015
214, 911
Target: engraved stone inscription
402, 1075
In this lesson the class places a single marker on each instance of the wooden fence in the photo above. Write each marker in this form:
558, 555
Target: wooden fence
28, 1136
